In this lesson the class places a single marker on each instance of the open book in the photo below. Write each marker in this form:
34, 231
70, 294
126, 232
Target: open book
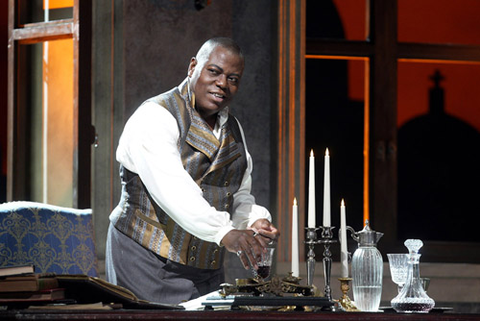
87, 289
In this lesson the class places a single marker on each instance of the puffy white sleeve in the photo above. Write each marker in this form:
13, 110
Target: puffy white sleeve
245, 210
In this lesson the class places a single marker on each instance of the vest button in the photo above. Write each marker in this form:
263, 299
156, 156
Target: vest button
213, 262
226, 206
226, 183
215, 251
193, 248
229, 194
192, 258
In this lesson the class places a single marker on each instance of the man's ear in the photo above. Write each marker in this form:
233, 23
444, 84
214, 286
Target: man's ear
191, 66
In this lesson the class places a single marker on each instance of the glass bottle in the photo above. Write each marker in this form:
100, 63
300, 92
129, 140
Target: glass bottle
367, 270
413, 298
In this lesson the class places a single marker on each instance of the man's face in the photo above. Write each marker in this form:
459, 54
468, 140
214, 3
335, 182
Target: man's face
216, 82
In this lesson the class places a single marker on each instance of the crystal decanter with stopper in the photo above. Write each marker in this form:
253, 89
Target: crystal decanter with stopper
367, 270
413, 298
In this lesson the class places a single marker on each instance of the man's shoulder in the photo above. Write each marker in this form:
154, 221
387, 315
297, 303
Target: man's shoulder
162, 98
156, 105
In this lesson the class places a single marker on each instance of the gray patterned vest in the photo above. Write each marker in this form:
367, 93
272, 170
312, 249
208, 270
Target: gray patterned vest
216, 165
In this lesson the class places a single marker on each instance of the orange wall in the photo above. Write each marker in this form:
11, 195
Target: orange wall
439, 21
56, 4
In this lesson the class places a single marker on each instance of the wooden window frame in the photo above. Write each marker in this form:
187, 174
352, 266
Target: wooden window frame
83, 131
383, 52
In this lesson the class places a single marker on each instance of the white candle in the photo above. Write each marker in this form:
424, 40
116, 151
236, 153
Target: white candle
326, 191
311, 192
343, 241
295, 256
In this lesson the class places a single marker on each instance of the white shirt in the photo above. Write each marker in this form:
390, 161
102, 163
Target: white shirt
148, 147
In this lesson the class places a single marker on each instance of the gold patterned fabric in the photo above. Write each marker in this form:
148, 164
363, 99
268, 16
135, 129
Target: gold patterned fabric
53, 239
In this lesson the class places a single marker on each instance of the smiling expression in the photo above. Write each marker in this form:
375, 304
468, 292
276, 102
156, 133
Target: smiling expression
215, 82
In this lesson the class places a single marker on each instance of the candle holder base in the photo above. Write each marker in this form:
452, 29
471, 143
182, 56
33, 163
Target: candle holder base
311, 241
292, 279
327, 240
345, 303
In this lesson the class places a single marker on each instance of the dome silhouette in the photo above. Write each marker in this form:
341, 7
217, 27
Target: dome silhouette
438, 175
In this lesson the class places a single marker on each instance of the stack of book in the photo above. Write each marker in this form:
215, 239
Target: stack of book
20, 285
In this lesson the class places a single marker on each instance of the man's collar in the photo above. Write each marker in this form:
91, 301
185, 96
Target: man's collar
222, 115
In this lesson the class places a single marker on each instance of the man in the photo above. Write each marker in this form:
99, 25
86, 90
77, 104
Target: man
186, 181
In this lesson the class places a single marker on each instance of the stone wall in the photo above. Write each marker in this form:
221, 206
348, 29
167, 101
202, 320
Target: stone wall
162, 35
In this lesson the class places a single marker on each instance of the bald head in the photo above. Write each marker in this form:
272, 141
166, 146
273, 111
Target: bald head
207, 48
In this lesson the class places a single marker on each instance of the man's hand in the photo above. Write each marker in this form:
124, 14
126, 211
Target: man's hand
250, 244
266, 230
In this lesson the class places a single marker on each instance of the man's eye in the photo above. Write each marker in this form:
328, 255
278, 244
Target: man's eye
233, 79
214, 72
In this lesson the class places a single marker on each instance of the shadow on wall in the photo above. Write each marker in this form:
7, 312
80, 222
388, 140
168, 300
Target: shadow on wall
438, 175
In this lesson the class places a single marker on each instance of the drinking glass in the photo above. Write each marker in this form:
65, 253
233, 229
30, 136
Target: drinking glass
398, 268
265, 264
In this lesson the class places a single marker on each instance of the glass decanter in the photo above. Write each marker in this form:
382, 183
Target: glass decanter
413, 298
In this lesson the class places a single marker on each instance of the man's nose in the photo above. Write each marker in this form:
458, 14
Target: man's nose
221, 81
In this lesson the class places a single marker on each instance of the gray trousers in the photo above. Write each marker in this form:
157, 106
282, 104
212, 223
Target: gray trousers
151, 277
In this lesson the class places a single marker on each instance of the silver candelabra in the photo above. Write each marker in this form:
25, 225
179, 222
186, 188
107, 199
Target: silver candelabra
326, 238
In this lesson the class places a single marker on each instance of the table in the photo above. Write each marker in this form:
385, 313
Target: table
238, 315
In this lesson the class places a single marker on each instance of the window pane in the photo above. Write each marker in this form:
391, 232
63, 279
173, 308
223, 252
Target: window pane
45, 107
337, 19
335, 120
438, 151
32, 11
439, 21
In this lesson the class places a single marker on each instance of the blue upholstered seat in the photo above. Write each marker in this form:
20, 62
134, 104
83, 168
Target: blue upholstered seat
52, 238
